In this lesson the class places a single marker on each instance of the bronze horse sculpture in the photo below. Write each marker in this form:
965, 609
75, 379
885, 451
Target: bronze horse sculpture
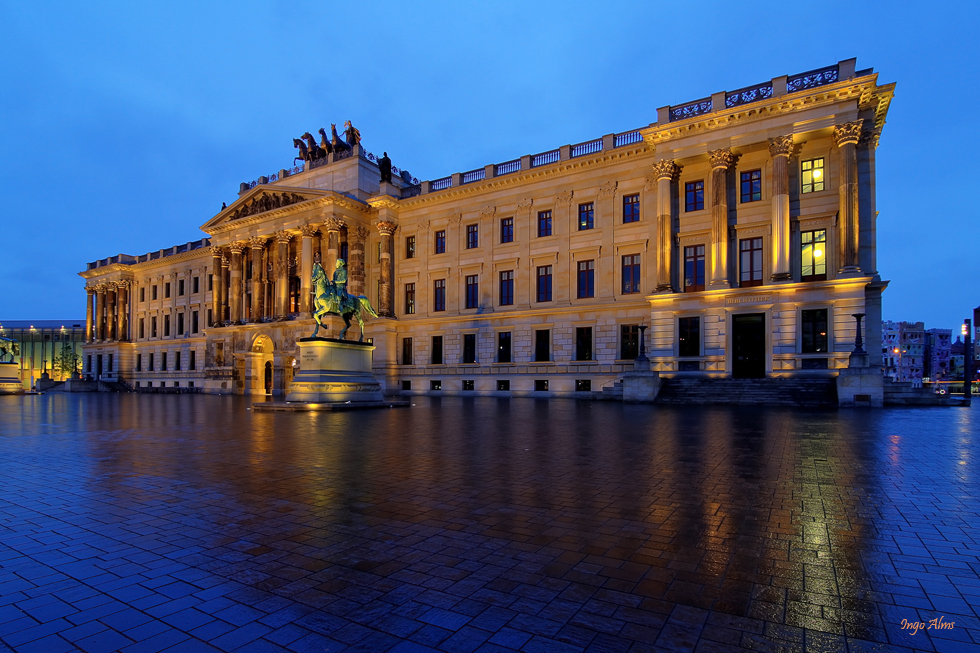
325, 142
316, 152
304, 153
332, 297
338, 145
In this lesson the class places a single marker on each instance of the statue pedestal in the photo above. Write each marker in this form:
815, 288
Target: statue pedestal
10, 379
334, 371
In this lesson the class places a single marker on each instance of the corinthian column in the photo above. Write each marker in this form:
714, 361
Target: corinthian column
779, 149
355, 266
665, 172
215, 286
89, 297
224, 290
847, 136
235, 292
122, 308
720, 162
110, 318
282, 274
333, 226
385, 299
306, 268
257, 245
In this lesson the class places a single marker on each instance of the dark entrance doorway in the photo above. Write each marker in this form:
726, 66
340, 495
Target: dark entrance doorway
749, 346
268, 378
98, 366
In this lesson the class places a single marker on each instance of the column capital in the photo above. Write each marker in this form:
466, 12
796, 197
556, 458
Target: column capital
848, 132
359, 233
455, 218
723, 158
780, 146
307, 230
333, 224
256, 242
564, 198
666, 169
524, 205
608, 188
488, 211
215, 251
237, 246
387, 227
283, 237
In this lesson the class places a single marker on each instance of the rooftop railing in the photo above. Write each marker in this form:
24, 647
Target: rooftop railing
589, 147
474, 175
543, 159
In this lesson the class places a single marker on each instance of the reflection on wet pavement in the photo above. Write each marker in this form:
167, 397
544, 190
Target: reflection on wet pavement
145, 523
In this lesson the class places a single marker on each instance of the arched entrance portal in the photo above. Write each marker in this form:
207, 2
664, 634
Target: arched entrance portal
261, 361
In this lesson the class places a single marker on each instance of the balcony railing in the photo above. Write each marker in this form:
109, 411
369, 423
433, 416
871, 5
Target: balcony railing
507, 167
691, 109
543, 159
589, 147
812, 79
748, 94
473, 175
441, 184
627, 138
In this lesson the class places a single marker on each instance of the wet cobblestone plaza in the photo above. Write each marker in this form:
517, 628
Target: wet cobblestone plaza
189, 523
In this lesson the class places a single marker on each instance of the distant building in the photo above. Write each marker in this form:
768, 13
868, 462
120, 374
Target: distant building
956, 359
938, 343
903, 347
43, 343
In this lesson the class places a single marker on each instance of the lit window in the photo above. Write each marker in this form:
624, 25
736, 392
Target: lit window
586, 216
813, 255
812, 175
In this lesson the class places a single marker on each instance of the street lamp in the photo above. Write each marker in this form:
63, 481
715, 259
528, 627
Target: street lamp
967, 362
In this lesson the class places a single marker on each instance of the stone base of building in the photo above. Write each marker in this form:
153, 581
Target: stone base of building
10, 379
333, 372
640, 386
860, 386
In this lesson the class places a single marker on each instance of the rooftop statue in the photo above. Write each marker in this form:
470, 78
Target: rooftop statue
9, 348
316, 152
352, 134
338, 145
331, 296
325, 142
384, 164
304, 152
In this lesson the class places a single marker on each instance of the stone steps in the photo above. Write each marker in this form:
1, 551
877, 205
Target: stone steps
809, 392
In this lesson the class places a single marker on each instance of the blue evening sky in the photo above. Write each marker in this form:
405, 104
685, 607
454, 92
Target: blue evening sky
125, 125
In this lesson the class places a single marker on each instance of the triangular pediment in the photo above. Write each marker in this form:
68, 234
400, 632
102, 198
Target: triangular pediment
263, 198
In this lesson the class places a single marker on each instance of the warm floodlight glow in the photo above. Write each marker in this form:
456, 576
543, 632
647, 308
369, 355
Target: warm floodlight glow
817, 252
817, 173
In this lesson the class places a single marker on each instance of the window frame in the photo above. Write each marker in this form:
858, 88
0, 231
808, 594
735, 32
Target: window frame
584, 343
807, 168
688, 340
631, 208
806, 250
630, 263
544, 285
408, 351
694, 196
472, 291
755, 261
472, 236
586, 216
438, 295
409, 247
695, 260
750, 186
505, 352
440, 241
585, 279
506, 230
469, 349
545, 224
629, 341
810, 342
410, 298
436, 353
542, 345
506, 288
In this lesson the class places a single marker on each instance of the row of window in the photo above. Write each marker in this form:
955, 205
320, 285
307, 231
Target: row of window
177, 362
503, 385
180, 330
163, 384
750, 185
195, 288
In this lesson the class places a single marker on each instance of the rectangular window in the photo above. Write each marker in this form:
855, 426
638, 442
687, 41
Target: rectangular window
540, 385
507, 288
469, 348
436, 358
694, 196
813, 326
153, 327
439, 295
163, 362
750, 262
694, 268
542, 345
166, 326
811, 175
631, 274
153, 293
406, 385
195, 285
408, 356
178, 356
631, 208
192, 363
629, 341
142, 294
151, 368
435, 385
139, 362
194, 322
472, 236
813, 254
441, 242
409, 299
751, 186
209, 317
180, 324
583, 343
689, 336
210, 282
503, 347
503, 385
507, 230
544, 223
180, 288
586, 279
142, 328
110, 362
583, 385
544, 283
472, 291
586, 216
410, 247
166, 290
468, 385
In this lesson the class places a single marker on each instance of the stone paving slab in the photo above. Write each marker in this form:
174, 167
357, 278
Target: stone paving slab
188, 523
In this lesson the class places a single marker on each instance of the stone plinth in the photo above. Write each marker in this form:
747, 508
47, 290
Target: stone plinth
334, 371
10, 380
641, 385
860, 386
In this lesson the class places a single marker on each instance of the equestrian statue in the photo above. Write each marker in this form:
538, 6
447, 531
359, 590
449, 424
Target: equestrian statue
8, 347
331, 296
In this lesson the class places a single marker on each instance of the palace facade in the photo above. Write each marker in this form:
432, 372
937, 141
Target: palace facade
739, 230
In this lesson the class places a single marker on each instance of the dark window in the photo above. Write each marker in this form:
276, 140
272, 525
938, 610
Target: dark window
110, 362
192, 363
151, 368
472, 236
694, 268
503, 385
586, 216
586, 279
180, 324
194, 322
436, 350
689, 336
542, 345
410, 247
751, 186
166, 326
180, 288
210, 282
406, 385
507, 230
469, 348
435, 385
812, 176
540, 385
544, 223
472, 291
409, 298
503, 347
439, 295
441, 242
583, 343
694, 196
408, 356
177, 359
139, 362
142, 294
142, 328
813, 254
469, 384
629, 341
583, 385
750, 262
813, 331
209, 317
631, 274
507, 288
345, 250
153, 327
295, 288
153, 293
631, 208
544, 283
163, 362
166, 290
195, 285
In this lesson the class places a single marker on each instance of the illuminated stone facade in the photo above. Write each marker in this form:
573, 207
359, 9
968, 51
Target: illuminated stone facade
740, 229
